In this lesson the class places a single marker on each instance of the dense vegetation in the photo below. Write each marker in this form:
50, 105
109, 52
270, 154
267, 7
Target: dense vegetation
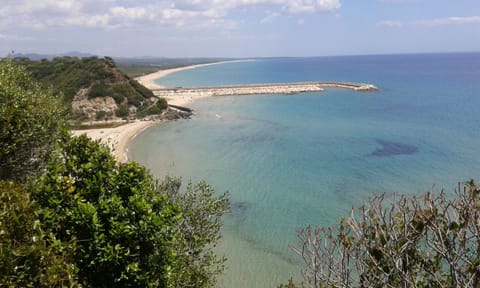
68, 74
31, 121
100, 78
84, 220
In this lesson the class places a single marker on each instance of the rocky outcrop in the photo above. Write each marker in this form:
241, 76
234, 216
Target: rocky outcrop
85, 108
95, 88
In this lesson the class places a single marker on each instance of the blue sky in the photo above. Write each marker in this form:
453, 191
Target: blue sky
239, 28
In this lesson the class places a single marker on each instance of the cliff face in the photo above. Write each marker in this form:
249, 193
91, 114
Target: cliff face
95, 88
84, 107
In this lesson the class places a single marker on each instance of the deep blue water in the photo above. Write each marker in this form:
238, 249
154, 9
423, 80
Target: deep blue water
293, 160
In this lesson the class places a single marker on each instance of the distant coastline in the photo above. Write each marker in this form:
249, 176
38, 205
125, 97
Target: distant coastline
149, 80
118, 138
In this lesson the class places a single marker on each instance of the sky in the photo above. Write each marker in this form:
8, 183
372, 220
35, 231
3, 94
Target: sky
239, 28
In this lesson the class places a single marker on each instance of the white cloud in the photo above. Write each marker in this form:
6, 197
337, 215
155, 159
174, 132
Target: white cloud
308, 6
111, 14
270, 18
449, 21
129, 13
390, 23
431, 22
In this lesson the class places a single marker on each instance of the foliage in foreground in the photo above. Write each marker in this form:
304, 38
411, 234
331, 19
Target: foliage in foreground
30, 256
96, 223
200, 226
85, 220
31, 121
431, 241
121, 227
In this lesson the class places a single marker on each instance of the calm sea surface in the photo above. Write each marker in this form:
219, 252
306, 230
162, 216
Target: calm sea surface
293, 160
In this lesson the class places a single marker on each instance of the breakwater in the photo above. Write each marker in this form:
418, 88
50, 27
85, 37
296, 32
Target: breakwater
277, 88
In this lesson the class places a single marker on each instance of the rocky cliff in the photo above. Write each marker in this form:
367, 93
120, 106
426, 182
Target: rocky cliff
95, 88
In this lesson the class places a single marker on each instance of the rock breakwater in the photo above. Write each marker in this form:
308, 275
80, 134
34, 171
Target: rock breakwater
280, 88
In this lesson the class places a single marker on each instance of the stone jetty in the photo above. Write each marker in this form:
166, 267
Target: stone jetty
280, 88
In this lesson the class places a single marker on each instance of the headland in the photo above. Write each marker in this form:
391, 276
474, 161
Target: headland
118, 138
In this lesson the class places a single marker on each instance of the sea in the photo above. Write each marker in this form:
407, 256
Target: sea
289, 161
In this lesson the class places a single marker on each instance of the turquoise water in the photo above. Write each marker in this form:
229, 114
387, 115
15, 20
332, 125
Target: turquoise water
293, 160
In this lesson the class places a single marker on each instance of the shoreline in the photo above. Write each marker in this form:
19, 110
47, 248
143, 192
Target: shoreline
149, 81
118, 138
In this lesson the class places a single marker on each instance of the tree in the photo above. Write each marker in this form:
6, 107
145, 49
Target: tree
84, 220
431, 241
199, 230
123, 228
31, 121
29, 255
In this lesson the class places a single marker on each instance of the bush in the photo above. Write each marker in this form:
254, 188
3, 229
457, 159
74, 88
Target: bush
196, 264
87, 221
428, 241
99, 89
122, 111
146, 93
128, 92
156, 109
31, 122
123, 228
91, 222
101, 115
29, 256
162, 104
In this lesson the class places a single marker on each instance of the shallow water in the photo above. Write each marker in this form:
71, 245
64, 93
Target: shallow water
293, 160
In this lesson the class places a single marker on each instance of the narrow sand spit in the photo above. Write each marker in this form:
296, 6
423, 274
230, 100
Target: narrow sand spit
149, 82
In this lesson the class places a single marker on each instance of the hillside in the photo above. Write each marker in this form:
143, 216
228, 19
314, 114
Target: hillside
95, 88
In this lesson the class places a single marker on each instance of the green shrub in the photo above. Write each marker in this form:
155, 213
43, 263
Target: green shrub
101, 115
99, 89
199, 231
122, 111
123, 228
134, 99
162, 104
87, 221
31, 121
123, 90
30, 256
142, 90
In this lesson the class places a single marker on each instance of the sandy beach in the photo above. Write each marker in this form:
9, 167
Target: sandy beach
118, 138
149, 81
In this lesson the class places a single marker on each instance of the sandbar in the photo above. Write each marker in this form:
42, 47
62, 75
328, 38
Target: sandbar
149, 81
